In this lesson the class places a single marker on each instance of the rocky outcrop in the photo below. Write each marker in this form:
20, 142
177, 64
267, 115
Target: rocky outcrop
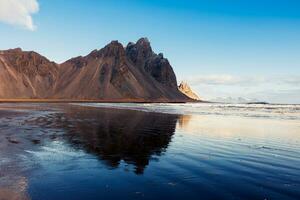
186, 89
113, 73
26, 75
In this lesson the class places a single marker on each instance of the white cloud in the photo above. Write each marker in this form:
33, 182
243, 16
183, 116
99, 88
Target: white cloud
225, 79
290, 80
270, 88
231, 80
19, 12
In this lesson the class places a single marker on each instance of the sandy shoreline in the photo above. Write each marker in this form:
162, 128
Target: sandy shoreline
52, 150
19, 135
13, 184
26, 128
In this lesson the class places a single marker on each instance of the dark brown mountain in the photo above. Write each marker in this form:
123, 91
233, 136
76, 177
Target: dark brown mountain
26, 75
113, 73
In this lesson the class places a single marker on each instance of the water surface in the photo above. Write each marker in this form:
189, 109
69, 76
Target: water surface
143, 151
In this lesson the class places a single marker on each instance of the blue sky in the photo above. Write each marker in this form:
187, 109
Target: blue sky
223, 48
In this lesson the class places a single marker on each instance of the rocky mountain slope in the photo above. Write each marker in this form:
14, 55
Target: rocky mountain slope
26, 75
186, 89
113, 73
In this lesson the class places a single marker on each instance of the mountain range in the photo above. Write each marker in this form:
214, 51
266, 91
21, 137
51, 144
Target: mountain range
114, 73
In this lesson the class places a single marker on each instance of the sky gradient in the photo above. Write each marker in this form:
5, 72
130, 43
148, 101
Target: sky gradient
223, 48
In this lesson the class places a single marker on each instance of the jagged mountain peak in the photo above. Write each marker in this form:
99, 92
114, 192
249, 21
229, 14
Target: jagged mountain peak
15, 50
143, 40
186, 89
144, 43
113, 73
114, 48
139, 51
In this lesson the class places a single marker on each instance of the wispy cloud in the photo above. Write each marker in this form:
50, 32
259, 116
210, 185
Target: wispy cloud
270, 88
19, 12
290, 80
225, 79
232, 80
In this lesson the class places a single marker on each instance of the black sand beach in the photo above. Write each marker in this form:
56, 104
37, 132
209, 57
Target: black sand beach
65, 151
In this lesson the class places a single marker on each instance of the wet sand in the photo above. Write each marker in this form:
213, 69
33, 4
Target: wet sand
28, 127
12, 184
64, 151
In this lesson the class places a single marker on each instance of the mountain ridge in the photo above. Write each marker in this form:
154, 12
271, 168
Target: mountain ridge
113, 73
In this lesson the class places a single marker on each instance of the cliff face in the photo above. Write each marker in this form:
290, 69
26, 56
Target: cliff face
26, 75
111, 73
186, 89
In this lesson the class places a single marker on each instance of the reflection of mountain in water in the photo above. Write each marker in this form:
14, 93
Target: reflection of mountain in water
114, 135
184, 121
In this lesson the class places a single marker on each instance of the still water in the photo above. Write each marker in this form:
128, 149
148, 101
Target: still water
149, 151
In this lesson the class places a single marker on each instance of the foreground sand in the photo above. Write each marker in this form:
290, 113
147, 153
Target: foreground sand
66, 151
12, 185
25, 128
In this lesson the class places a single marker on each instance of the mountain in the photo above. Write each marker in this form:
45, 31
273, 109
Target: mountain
26, 75
186, 89
113, 73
